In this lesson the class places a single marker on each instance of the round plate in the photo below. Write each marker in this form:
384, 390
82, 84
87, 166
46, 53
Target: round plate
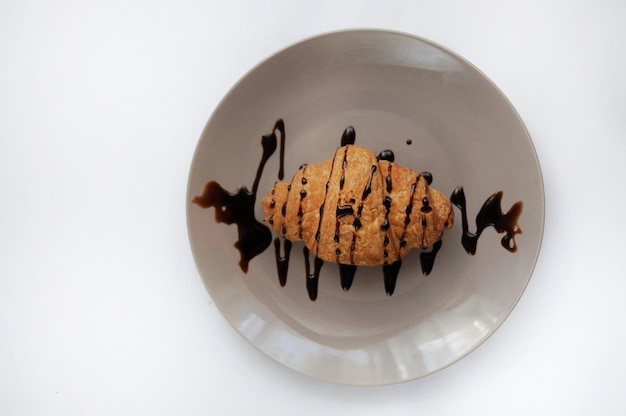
437, 113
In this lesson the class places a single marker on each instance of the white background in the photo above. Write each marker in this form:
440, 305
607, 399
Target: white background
102, 310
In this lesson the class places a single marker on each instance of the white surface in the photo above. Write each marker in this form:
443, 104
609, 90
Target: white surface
101, 308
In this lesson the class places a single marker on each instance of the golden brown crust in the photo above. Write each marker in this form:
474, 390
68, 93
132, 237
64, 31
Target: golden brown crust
357, 210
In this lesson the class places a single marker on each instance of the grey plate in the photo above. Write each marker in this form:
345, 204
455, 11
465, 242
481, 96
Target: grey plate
391, 87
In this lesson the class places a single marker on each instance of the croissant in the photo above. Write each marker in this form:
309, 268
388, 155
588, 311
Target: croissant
358, 209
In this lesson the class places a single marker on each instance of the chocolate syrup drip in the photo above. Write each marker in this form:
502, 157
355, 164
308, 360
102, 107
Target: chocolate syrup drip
302, 196
312, 279
343, 210
319, 223
408, 210
387, 155
344, 165
346, 274
353, 246
388, 179
428, 176
385, 226
254, 237
282, 262
387, 204
348, 136
390, 275
427, 258
368, 186
409, 142
238, 208
490, 214
280, 126
269, 143
357, 221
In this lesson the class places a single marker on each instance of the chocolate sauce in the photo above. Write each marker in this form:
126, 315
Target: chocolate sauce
346, 274
387, 155
269, 143
312, 279
368, 185
302, 196
388, 181
343, 210
427, 258
348, 136
344, 165
409, 142
490, 214
238, 208
345, 138
254, 237
357, 220
390, 276
280, 126
428, 176
408, 210
282, 262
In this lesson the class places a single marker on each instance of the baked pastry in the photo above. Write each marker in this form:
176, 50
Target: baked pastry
358, 209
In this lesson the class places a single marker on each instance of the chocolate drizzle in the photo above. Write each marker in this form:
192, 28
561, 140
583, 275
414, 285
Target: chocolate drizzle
427, 258
490, 215
348, 136
390, 276
357, 220
302, 196
346, 275
342, 210
408, 210
238, 208
387, 155
368, 186
312, 279
254, 237
282, 262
